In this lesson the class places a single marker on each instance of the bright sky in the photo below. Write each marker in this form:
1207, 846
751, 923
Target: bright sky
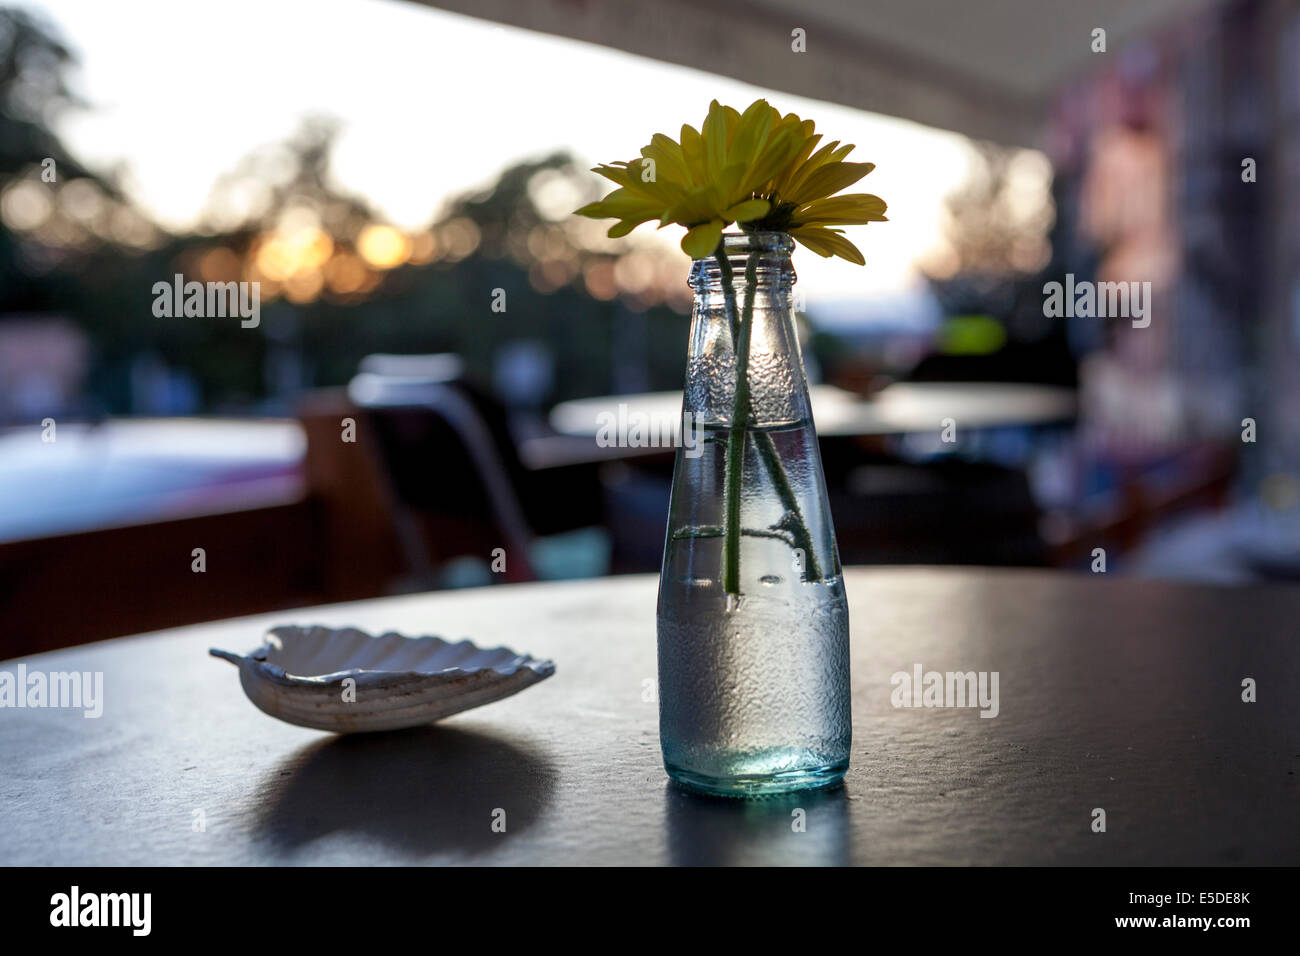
432, 103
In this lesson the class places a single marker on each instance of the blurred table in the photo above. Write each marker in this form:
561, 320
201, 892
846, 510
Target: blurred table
899, 408
1118, 694
134, 470
98, 527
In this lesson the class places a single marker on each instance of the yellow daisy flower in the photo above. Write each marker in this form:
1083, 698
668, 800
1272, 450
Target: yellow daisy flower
704, 181
757, 169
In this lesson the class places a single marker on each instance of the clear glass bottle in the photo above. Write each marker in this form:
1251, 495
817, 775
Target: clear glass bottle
753, 624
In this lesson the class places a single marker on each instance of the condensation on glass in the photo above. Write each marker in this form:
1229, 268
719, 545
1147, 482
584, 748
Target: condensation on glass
753, 628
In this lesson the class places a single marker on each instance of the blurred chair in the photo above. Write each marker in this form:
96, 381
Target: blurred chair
457, 485
637, 495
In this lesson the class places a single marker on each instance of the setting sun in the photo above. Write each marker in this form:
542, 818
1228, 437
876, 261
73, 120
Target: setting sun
383, 246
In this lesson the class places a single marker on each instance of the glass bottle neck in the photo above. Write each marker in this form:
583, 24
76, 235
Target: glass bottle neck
755, 320
763, 257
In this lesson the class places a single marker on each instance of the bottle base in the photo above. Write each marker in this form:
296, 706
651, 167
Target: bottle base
760, 785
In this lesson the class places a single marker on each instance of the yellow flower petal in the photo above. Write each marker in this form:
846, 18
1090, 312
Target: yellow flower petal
732, 121
829, 180
751, 133
693, 154
810, 141
776, 156
621, 204
616, 174
701, 241
696, 206
670, 161
826, 243
747, 210
714, 133
852, 209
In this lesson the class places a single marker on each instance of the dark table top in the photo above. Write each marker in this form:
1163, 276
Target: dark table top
1118, 694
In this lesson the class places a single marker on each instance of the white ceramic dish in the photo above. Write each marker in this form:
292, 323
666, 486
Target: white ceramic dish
301, 675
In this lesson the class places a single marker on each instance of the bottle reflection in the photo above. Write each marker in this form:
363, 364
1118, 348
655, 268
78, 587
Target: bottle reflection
795, 829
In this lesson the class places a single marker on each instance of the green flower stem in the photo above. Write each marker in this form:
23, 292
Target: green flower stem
728, 289
735, 455
802, 537
735, 459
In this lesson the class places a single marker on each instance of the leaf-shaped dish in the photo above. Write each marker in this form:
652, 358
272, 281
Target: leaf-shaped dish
300, 675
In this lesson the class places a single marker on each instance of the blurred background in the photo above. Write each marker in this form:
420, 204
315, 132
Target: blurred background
437, 334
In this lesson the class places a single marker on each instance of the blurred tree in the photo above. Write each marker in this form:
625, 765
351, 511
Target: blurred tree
998, 220
990, 273
33, 90
563, 289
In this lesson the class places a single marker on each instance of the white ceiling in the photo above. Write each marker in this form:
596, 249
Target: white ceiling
980, 67
1023, 46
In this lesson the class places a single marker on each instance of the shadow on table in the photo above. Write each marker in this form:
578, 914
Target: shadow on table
715, 831
422, 791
